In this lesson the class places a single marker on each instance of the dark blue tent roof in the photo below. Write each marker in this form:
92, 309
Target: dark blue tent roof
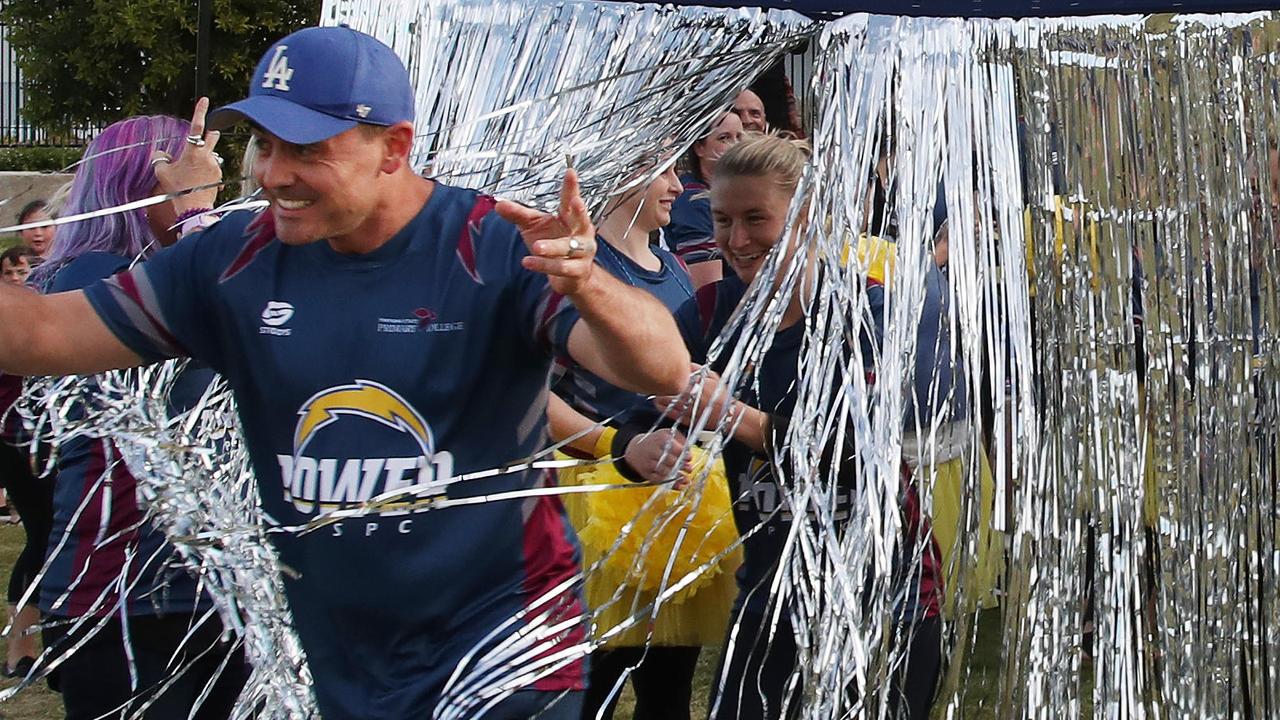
998, 8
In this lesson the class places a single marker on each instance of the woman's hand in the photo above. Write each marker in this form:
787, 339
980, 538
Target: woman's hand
198, 165
655, 457
708, 395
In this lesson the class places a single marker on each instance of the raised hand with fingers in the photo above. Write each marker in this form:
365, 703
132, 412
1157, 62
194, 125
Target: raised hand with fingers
562, 245
198, 165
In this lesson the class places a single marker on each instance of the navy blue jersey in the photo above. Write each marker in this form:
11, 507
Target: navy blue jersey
582, 389
760, 507
940, 393
762, 515
690, 233
418, 362
100, 543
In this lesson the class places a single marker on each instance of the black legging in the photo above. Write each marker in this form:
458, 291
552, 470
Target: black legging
33, 499
663, 681
96, 680
756, 677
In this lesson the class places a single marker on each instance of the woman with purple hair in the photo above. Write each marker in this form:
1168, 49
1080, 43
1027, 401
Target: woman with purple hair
143, 633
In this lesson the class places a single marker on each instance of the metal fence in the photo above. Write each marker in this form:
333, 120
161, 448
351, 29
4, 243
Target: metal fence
14, 127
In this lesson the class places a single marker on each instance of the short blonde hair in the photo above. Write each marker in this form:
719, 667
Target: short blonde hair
777, 155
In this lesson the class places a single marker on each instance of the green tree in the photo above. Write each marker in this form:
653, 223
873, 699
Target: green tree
90, 61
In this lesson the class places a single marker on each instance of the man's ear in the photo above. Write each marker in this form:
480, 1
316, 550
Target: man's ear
397, 144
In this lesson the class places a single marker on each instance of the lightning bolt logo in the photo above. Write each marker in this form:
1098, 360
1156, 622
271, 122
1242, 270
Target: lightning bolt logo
366, 399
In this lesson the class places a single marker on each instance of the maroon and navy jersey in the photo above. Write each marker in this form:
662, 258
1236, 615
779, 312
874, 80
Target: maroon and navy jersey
690, 233
417, 363
103, 552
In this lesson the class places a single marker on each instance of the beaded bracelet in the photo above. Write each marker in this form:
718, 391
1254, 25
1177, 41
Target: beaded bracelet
195, 219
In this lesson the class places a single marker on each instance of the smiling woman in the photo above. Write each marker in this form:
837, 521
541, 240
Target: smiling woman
661, 658
689, 233
753, 188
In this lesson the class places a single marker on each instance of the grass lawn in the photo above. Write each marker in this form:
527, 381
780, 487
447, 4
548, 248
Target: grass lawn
36, 702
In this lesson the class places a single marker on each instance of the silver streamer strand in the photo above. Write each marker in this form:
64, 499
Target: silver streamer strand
507, 90
196, 486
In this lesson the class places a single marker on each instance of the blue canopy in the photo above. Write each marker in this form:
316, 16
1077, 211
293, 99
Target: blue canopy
997, 8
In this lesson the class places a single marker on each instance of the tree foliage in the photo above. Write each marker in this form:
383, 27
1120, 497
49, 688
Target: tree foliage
96, 61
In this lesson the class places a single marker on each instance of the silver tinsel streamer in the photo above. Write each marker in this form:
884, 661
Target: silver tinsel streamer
195, 484
1111, 185
507, 90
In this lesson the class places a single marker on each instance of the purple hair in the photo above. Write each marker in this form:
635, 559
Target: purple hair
110, 177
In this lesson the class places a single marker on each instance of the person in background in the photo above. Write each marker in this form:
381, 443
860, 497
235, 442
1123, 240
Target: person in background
753, 186
662, 656
127, 621
689, 234
29, 500
39, 239
781, 109
15, 264
750, 109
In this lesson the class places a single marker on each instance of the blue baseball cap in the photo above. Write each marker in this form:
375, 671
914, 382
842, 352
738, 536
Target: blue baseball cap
318, 82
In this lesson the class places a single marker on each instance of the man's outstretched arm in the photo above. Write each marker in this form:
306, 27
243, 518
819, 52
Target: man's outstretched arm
625, 336
58, 334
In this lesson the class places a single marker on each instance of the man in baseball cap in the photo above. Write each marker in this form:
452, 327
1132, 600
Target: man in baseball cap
384, 334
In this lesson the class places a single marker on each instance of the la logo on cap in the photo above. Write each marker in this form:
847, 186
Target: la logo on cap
278, 72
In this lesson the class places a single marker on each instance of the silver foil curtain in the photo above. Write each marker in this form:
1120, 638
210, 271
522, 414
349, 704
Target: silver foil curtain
1112, 190
508, 90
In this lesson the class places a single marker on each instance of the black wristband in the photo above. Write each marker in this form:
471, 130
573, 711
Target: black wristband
618, 449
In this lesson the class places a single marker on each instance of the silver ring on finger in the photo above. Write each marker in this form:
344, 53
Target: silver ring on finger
217, 158
162, 159
196, 140
575, 248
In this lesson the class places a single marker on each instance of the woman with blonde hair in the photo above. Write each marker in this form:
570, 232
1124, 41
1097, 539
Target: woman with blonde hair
629, 535
752, 190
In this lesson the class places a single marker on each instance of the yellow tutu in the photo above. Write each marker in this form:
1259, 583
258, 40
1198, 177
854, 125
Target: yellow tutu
629, 537
978, 573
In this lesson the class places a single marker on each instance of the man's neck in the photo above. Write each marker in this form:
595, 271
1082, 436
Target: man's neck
405, 198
